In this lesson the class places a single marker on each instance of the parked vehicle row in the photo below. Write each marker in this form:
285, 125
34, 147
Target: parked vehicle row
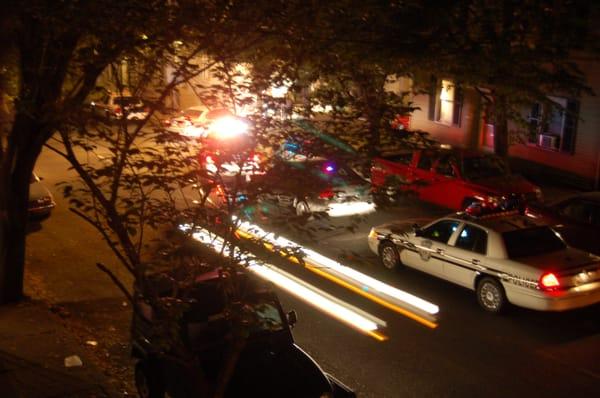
528, 257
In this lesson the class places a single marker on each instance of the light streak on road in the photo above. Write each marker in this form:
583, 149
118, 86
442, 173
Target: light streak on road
334, 307
388, 296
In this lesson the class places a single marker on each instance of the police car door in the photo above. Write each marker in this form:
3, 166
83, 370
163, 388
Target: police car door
430, 246
466, 255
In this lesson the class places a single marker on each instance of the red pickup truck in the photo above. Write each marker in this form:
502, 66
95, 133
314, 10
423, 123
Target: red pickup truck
453, 178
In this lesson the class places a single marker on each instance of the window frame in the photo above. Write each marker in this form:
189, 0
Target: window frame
446, 242
456, 102
472, 249
542, 120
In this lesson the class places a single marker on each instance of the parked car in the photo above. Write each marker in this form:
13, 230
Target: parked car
504, 258
269, 365
41, 201
453, 178
316, 185
576, 218
114, 106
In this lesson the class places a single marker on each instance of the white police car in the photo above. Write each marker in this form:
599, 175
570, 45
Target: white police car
504, 258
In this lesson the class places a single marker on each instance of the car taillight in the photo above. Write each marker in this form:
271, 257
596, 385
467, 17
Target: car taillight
326, 194
117, 110
209, 159
549, 281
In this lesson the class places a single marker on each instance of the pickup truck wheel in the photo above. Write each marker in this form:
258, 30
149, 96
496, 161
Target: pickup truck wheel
490, 295
389, 256
148, 380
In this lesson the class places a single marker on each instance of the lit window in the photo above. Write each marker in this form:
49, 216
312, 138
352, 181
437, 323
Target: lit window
445, 102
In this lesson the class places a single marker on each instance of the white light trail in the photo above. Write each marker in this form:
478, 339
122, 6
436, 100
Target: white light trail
364, 282
334, 307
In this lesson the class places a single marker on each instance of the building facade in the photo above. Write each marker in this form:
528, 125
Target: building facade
561, 145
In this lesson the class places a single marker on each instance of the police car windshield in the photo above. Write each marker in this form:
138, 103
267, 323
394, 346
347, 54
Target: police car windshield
478, 167
532, 242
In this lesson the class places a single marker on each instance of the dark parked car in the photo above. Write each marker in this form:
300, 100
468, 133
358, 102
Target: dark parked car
114, 107
269, 365
576, 218
316, 185
41, 201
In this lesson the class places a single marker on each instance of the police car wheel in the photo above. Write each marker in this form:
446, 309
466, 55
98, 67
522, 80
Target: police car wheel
389, 256
148, 380
490, 295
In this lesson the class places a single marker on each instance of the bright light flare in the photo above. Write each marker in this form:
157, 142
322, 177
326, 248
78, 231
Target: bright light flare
228, 127
336, 308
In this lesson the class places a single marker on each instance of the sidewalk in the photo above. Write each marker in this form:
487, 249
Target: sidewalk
33, 346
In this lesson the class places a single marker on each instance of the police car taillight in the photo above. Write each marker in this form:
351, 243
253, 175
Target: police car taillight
549, 281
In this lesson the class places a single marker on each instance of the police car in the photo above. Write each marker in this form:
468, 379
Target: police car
504, 258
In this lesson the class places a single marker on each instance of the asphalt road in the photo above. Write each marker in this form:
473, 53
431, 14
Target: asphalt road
471, 353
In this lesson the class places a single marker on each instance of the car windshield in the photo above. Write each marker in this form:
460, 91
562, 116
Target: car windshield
532, 242
478, 167
127, 101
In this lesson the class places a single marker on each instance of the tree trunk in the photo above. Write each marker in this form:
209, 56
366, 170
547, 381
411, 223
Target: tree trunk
501, 127
14, 194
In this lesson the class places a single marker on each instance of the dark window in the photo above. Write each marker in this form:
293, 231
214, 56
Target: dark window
127, 101
553, 125
569, 126
425, 161
532, 242
433, 99
458, 105
440, 231
473, 239
404, 158
445, 166
478, 167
